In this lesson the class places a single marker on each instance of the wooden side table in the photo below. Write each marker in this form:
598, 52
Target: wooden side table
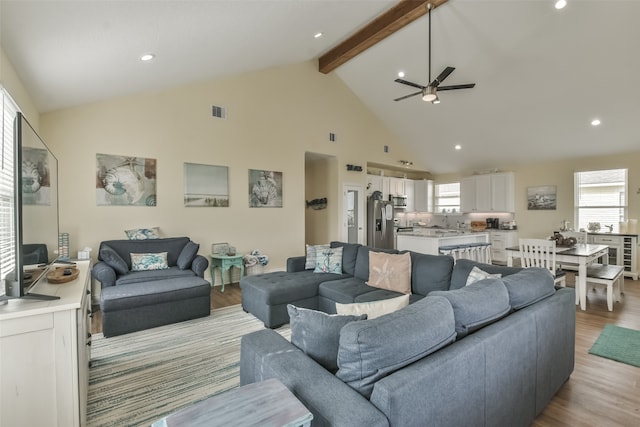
224, 263
264, 404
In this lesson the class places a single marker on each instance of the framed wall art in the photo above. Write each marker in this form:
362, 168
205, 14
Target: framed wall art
265, 189
125, 181
541, 198
206, 185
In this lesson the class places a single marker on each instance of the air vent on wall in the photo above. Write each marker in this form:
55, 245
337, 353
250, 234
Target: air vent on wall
219, 112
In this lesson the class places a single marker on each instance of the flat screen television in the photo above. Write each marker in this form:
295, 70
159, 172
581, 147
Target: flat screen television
30, 220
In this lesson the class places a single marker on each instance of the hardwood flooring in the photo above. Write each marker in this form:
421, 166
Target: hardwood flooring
600, 392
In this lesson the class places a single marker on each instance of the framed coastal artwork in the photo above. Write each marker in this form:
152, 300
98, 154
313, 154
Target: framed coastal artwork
206, 185
36, 178
541, 198
265, 189
125, 181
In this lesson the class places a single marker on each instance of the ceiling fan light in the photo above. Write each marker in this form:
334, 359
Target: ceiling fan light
436, 101
429, 94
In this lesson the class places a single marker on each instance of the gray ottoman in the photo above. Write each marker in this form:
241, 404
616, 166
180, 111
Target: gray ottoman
266, 295
138, 306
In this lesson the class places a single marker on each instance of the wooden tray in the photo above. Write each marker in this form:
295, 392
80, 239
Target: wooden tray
57, 276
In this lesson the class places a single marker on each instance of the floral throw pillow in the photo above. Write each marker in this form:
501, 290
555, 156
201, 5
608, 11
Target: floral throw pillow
147, 262
143, 233
329, 261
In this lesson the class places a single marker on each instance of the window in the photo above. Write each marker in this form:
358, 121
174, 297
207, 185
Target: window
600, 196
7, 197
447, 197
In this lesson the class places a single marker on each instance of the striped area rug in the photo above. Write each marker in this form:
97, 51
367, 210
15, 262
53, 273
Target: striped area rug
138, 378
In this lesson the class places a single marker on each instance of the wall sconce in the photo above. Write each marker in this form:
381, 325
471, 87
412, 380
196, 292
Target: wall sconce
406, 163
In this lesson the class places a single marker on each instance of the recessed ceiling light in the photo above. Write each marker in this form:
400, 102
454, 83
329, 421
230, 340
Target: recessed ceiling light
147, 57
560, 4
458, 147
317, 35
401, 74
595, 122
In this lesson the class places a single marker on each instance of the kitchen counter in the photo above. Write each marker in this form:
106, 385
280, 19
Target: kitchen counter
427, 241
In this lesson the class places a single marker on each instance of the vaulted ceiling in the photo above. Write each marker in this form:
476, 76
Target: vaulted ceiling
541, 74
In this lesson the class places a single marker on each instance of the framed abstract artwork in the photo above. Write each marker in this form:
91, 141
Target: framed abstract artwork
265, 189
206, 185
125, 181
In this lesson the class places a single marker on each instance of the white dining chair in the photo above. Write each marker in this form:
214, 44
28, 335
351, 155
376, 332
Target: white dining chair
542, 253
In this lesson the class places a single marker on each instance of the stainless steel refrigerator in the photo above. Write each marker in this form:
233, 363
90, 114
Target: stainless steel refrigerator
380, 232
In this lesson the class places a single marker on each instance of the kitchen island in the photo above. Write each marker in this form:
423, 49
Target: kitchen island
427, 241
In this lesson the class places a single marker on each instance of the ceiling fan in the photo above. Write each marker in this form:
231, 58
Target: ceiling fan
430, 92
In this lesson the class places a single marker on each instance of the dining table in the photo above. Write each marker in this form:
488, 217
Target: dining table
581, 255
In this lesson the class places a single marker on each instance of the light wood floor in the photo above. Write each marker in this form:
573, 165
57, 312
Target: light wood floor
600, 392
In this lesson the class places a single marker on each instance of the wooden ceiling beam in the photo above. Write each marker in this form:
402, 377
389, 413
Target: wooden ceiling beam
400, 15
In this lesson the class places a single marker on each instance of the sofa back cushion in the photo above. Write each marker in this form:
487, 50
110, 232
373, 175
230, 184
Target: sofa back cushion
172, 246
372, 349
463, 267
477, 305
529, 286
349, 256
361, 270
430, 273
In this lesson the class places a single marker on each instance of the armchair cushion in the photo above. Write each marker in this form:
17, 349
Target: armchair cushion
187, 255
113, 260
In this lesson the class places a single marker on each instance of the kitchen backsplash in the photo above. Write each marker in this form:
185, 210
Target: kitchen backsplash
453, 220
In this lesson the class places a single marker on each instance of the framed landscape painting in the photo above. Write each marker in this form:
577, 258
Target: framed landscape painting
206, 185
541, 198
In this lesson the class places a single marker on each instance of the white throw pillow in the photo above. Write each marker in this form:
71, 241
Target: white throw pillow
312, 255
390, 271
478, 274
373, 309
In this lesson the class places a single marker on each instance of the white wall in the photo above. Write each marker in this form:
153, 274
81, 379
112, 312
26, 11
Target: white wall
274, 117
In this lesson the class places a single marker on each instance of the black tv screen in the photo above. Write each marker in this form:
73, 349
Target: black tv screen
34, 223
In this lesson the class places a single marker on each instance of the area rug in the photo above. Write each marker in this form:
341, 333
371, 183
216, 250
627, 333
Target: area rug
619, 344
137, 378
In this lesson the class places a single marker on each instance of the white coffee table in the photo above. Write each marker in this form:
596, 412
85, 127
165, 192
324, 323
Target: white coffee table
266, 404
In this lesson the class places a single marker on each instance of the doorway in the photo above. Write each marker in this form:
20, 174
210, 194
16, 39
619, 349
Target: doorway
353, 214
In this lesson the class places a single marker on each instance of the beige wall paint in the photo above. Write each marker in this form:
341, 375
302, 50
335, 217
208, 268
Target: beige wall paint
10, 80
275, 116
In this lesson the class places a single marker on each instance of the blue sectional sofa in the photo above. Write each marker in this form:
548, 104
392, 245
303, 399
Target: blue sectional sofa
266, 295
136, 300
492, 353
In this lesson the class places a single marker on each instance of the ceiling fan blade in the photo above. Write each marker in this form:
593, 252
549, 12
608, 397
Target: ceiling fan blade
408, 96
408, 83
443, 75
452, 87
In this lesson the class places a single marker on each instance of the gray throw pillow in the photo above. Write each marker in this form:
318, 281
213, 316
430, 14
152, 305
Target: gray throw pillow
113, 260
317, 334
372, 349
187, 255
477, 305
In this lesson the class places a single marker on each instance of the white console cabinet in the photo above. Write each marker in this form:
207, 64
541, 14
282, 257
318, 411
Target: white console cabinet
488, 193
44, 355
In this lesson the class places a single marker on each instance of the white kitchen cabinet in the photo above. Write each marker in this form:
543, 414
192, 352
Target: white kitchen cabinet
396, 186
44, 346
423, 195
488, 193
409, 191
500, 241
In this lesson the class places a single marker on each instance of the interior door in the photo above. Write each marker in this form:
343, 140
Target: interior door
353, 214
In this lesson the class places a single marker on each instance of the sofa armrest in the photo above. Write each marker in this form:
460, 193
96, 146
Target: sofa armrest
103, 273
266, 354
199, 265
295, 264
